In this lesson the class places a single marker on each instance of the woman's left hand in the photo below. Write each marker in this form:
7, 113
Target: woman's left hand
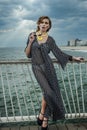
78, 59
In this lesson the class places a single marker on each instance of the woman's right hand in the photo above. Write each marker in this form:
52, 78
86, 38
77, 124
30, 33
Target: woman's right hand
28, 48
31, 38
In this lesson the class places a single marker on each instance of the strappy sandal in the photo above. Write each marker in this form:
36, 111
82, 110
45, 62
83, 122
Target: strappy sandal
45, 128
39, 121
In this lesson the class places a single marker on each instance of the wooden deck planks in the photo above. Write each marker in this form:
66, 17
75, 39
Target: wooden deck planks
79, 126
25, 128
34, 128
53, 127
61, 127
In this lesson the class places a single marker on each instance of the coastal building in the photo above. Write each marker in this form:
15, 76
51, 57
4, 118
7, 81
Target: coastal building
77, 42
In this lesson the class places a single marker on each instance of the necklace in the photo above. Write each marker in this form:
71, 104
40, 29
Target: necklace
40, 36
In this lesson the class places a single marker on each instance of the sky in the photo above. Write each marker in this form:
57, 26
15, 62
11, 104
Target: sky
19, 17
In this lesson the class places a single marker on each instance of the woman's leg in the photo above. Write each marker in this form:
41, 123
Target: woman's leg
45, 122
43, 107
44, 84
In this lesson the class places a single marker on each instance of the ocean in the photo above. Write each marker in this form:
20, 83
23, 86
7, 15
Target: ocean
16, 53
12, 53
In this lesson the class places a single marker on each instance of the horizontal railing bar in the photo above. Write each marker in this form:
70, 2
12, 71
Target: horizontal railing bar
33, 118
24, 61
17, 119
15, 62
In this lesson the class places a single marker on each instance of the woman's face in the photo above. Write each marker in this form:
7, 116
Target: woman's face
44, 25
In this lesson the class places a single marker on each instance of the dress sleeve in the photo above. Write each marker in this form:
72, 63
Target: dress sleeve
30, 55
62, 57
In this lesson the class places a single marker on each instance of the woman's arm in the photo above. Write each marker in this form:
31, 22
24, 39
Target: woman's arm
78, 59
28, 49
62, 57
29, 43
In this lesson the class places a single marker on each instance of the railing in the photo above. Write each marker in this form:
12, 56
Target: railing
20, 94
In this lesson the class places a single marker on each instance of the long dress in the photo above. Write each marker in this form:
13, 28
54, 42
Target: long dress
45, 74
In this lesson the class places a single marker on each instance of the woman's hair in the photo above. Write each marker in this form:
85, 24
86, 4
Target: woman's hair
41, 19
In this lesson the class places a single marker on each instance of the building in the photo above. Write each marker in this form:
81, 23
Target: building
77, 42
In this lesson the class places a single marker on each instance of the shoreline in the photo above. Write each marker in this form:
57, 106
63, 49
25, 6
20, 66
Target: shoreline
75, 48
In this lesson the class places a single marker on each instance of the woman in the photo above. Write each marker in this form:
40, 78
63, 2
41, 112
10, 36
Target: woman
39, 45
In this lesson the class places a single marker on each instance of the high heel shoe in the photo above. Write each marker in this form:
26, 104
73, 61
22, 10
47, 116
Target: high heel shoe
45, 128
39, 121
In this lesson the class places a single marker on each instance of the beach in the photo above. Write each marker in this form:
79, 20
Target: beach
78, 48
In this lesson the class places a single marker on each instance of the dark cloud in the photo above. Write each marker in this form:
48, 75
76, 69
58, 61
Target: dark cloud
55, 9
69, 17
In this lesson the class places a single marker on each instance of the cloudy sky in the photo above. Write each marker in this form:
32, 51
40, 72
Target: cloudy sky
18, 18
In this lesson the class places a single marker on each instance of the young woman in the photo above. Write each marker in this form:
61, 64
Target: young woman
39, 45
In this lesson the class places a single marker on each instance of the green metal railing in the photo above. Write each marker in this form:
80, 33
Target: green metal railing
20, 94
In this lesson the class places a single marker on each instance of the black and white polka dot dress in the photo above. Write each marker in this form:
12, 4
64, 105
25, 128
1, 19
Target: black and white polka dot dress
44, 72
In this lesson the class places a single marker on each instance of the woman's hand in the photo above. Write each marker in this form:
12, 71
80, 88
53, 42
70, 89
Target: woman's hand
31, 38
28, 48
78, 59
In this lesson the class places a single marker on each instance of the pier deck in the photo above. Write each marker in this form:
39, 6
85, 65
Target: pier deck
78, 126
